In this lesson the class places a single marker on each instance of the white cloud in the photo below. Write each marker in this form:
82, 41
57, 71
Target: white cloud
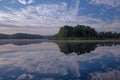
44, 15
25, 76
45, 18
111, 3
114, 26
25, 1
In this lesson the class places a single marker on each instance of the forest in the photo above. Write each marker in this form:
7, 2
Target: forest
20, 36
84, 32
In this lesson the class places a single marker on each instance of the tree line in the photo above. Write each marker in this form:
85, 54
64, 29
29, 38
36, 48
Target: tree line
20, 36
84, 32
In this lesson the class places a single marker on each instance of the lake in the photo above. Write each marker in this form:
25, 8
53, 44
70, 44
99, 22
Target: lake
37, 60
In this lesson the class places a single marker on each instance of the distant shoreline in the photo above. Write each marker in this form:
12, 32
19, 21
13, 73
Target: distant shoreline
46, 40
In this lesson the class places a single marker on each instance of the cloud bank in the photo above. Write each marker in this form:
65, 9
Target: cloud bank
41, 16
48, 17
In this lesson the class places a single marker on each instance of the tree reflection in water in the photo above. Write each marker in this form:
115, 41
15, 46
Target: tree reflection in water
65, 47
44, 61
20, 42
81, 48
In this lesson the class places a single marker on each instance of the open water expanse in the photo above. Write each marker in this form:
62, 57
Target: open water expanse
37, 60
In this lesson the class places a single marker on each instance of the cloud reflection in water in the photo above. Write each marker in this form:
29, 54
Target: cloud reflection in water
44, 60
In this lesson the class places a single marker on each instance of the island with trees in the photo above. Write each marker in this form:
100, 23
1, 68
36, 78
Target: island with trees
84, 32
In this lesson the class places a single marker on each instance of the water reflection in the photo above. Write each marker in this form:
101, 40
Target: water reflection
81, 48
44, 61
19, 42
65, 47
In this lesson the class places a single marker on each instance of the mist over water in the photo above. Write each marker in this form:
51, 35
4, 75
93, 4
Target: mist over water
37, 60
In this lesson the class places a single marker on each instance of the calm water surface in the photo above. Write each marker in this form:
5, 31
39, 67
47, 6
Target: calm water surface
59, 61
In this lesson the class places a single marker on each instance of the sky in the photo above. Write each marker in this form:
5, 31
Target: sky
47, 16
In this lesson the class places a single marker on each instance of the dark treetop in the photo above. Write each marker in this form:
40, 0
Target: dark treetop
84, 32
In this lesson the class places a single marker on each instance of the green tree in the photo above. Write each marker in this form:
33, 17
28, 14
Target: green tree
65, 32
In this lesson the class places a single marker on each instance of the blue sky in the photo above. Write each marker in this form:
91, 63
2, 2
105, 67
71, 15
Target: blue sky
47, 16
